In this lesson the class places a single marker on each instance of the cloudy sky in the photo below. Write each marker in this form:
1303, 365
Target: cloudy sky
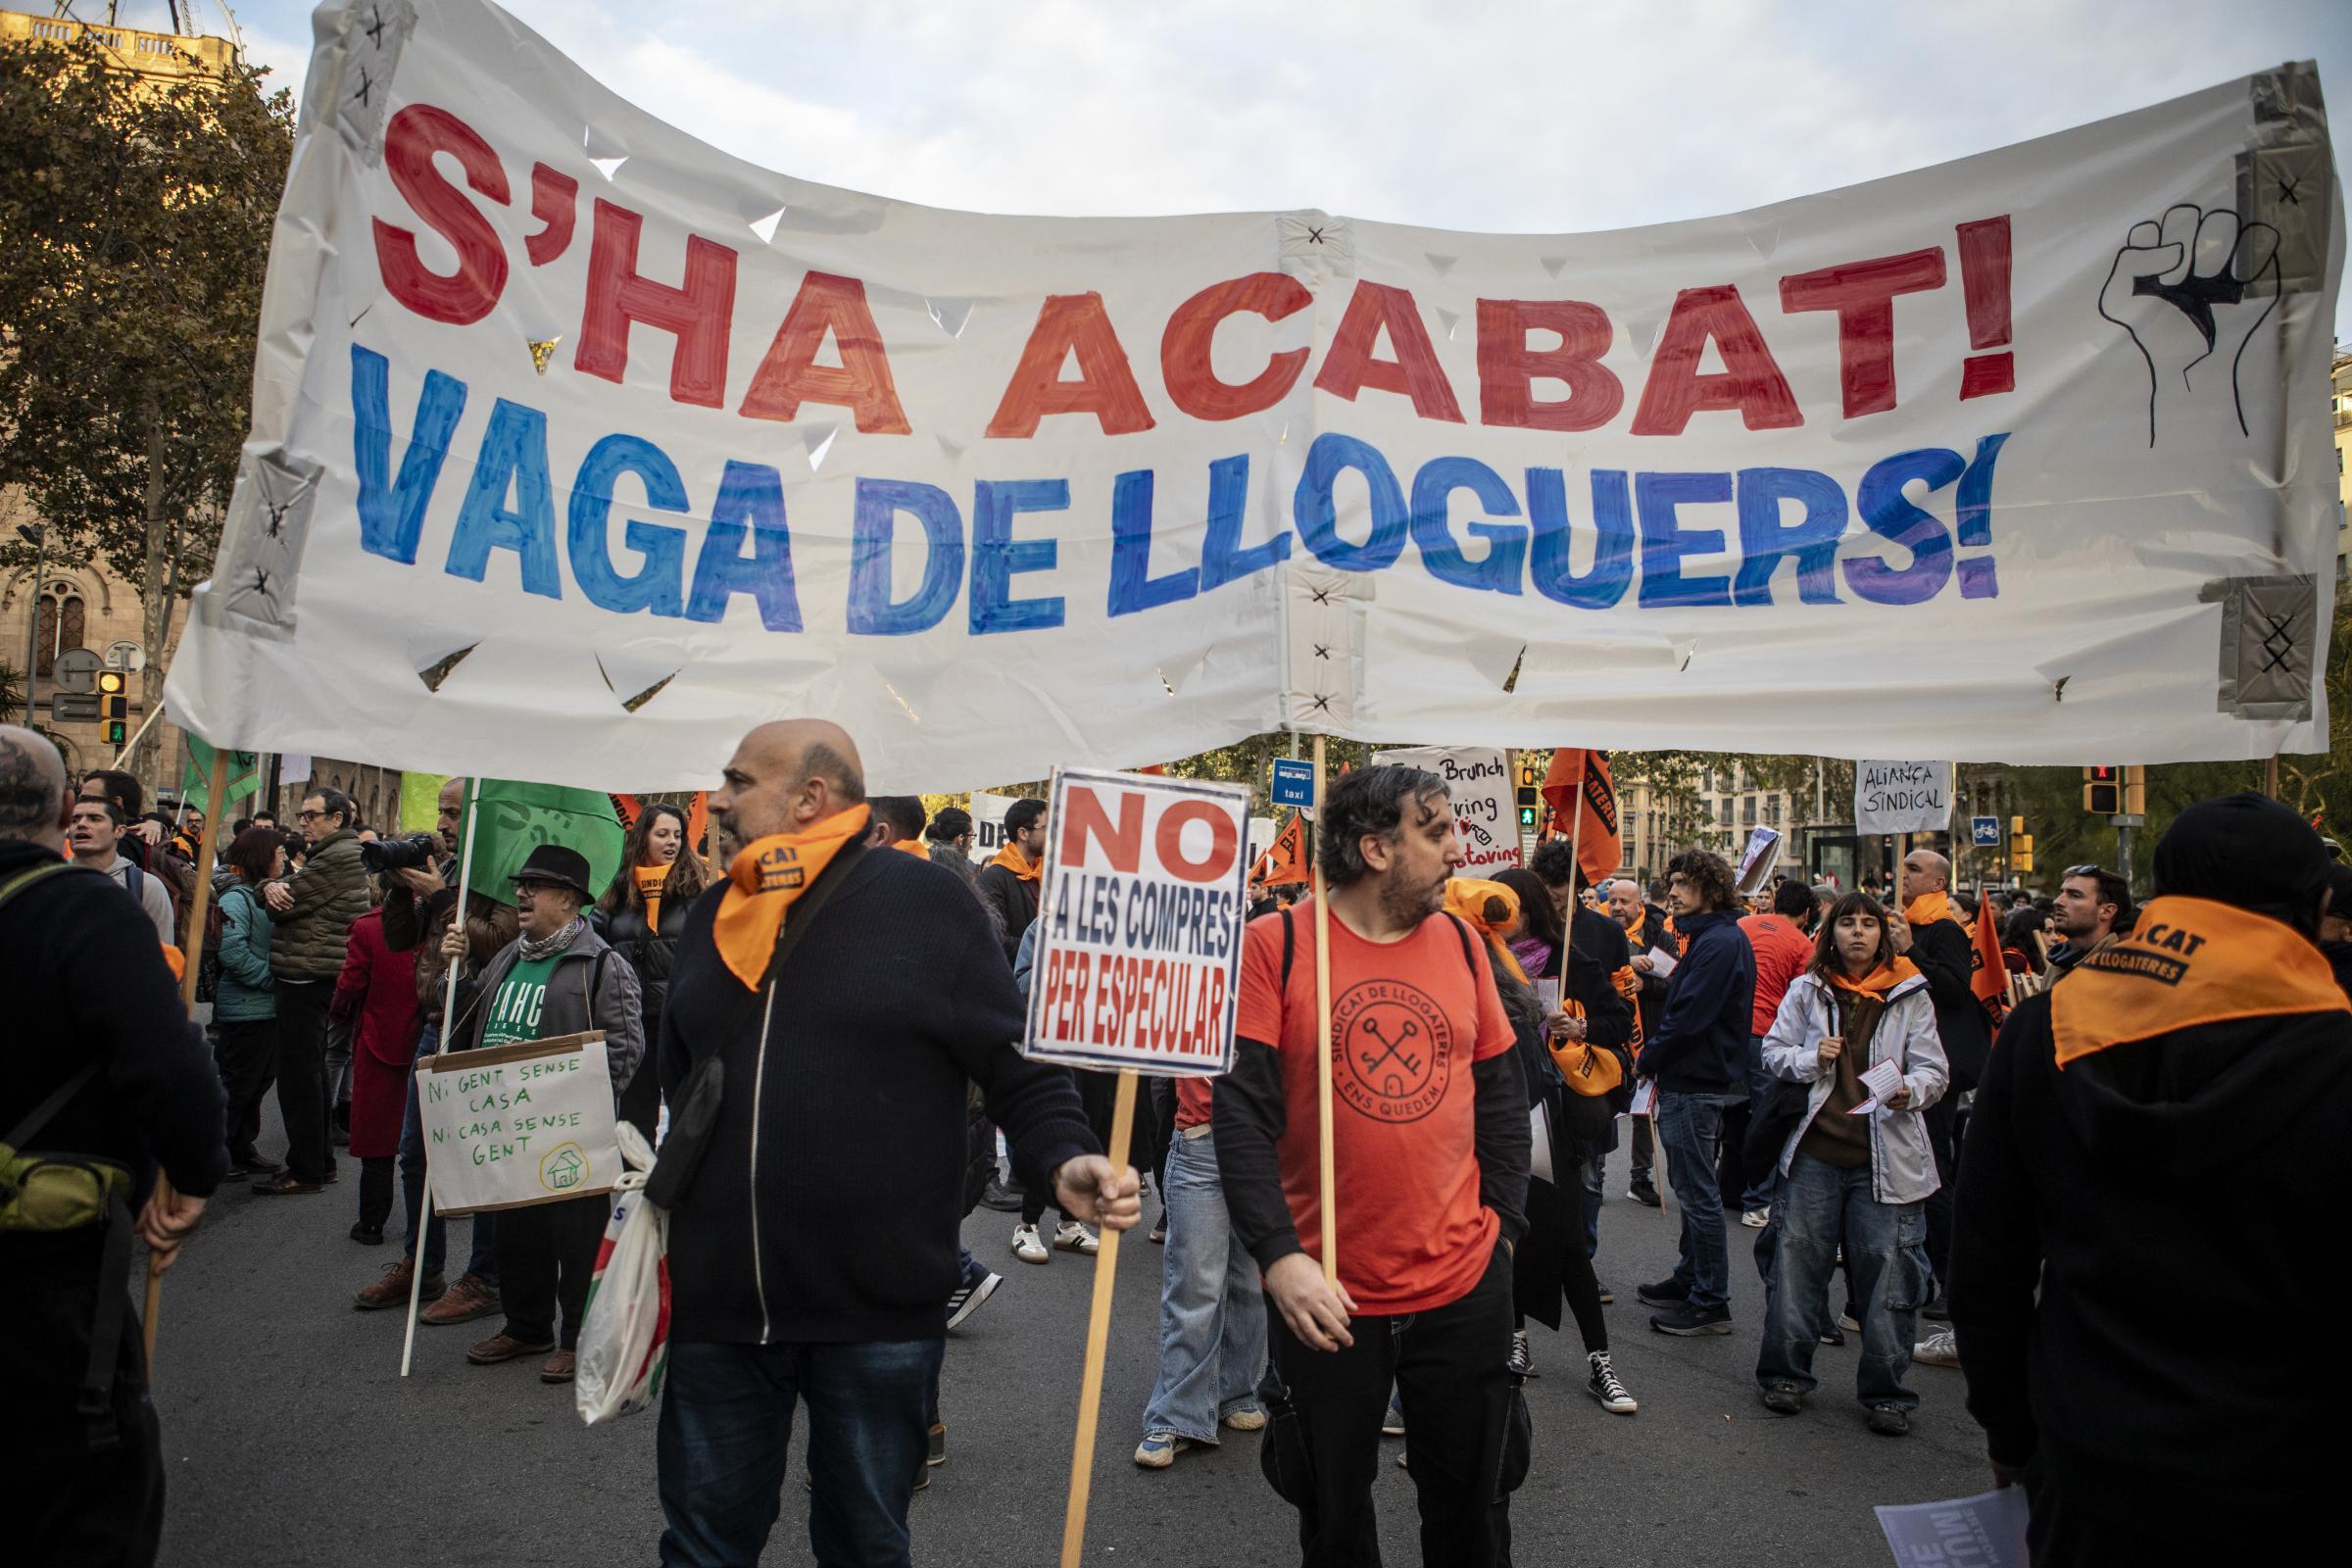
1467, 114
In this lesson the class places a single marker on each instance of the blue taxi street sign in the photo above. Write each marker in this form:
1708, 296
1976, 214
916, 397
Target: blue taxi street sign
1293, 782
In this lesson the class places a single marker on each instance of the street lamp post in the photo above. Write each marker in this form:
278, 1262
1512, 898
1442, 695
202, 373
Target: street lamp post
37, 535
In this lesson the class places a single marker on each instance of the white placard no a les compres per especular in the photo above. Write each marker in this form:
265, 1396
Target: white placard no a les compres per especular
1138, 960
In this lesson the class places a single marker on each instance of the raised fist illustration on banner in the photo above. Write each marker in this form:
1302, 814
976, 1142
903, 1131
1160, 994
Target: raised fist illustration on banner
2192, 290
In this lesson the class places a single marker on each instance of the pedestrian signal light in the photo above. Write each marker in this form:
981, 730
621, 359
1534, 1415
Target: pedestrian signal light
1527, 816
113, 707
2103, 791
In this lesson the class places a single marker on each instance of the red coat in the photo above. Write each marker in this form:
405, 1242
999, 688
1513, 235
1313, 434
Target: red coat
377, 993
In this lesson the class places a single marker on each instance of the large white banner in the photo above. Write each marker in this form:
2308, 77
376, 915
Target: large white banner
579, 447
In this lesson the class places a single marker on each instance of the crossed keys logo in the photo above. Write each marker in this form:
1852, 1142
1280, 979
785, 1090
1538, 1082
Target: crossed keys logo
1392, 1051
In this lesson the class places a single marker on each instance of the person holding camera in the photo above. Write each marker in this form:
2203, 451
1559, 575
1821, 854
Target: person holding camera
420, 900
311, 911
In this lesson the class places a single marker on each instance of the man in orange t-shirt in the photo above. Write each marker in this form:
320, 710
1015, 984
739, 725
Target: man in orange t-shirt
1430, 1142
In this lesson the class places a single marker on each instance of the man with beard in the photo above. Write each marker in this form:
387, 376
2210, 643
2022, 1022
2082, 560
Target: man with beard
2093, 907
1429, 1144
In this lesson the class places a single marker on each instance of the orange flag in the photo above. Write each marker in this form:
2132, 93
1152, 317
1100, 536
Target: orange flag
1987, 975
1573, 770
698, 815
1285, 860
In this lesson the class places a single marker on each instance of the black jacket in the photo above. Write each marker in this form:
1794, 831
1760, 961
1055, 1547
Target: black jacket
1652, 997
826, 1208
1584, 1125
2340, 959
1014, 899
1701, 1043
2159, 1198
650, 950
85, 982
1947, 959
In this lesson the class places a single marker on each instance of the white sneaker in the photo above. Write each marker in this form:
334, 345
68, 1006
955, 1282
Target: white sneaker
1937, 1349
1027, 1247
1071, 1236
1755, 1219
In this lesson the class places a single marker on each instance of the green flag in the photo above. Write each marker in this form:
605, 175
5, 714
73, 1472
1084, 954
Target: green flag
511, 820
195, 785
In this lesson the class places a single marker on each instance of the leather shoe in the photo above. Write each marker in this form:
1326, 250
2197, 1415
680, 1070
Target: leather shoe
285, 1186
466, 1301
393, 1289
558, 1367
504, 1346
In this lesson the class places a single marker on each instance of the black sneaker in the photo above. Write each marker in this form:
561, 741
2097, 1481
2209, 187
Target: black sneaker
368, 1235
1666, 1292
1003, 1199
937, 1452
1940, 1310
1782, 1398
1523, 1362
1645, 1194
970, 1299
1690, 1321
1607, 1297
1890, 1420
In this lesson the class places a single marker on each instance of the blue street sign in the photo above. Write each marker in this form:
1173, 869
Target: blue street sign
1985, 832
1293, 782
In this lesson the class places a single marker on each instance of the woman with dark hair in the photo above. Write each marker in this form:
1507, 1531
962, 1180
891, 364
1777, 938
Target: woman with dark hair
2021, 954
1541, 938
245, 1004
1856, 1168
642, 915
1555, 1261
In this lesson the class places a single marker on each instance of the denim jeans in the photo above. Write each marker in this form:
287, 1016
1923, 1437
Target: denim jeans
726, 1433
1759, 1091
1887, 1272
1213, 1310
1690, 1129
482, 1261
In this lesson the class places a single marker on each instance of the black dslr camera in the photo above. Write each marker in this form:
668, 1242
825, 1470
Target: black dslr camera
408, 851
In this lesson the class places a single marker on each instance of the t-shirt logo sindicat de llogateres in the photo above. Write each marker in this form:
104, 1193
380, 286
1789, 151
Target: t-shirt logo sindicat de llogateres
1396, 1047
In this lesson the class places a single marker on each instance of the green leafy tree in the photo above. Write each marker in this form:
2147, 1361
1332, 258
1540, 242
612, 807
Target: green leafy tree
135, 230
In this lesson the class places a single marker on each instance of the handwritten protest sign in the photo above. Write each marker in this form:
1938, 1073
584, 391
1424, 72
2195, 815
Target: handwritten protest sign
1986, 1530
1478, 781
521, 1124
618, 435
1902, 797
1140, 924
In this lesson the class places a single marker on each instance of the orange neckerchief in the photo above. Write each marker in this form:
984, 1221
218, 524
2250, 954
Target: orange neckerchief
2188, 961
1885, 978
913, 847
767, 876
649, 888
1012, 860
1490, 907
1928, 909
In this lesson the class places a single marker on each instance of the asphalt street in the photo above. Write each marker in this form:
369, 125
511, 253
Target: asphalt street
292, 1440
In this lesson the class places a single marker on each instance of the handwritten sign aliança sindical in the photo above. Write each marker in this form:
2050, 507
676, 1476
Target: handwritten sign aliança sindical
521, 1124
1478, 781
1902, 797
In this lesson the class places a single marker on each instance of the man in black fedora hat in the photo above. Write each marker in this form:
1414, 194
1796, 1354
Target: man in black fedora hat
557, 978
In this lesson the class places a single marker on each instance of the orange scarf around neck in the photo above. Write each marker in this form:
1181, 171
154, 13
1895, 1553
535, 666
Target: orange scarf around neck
1928, 909
2188, 961
649, 888
1012, 860
913, 847
1879, 981
765, 879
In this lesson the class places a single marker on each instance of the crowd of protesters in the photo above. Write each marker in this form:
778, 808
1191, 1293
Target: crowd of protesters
1938, 1110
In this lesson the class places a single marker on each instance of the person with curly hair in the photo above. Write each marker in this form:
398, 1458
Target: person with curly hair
1698, 1064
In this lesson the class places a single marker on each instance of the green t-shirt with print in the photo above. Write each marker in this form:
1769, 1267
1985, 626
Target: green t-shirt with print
515, 1010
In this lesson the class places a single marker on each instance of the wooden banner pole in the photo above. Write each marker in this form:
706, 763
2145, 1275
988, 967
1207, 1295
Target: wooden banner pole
191, 947
449, 1016
1097, 1342
1329, 1172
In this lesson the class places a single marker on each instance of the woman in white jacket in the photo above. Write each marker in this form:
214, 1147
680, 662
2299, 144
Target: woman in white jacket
1862, 1180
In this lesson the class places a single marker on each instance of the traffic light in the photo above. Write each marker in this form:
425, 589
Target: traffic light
2020, 852
113, 707
1531, 801
2136, 791
1527, 774
2103, 791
